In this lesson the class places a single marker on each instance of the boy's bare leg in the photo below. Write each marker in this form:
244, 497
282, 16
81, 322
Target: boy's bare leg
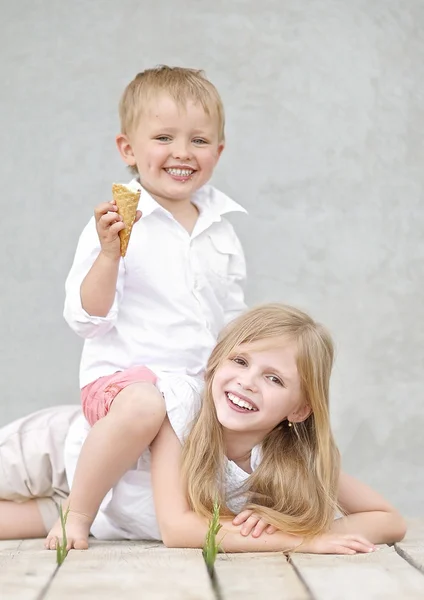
113, 446
20, 520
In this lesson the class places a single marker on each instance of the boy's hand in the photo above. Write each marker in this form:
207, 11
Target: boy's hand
252, 524
336, 543
108, 225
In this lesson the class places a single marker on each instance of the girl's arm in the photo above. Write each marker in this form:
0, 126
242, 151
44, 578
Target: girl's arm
367, 513
179, 525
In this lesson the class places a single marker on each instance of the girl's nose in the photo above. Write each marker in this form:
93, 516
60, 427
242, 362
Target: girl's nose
247, 381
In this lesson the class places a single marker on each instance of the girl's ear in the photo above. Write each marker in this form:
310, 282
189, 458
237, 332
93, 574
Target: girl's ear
301, 414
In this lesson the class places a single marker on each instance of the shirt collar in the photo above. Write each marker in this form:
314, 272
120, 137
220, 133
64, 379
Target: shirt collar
211, 203
146, 204
215, 203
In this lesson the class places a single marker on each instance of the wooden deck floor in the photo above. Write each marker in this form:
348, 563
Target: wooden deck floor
143, 570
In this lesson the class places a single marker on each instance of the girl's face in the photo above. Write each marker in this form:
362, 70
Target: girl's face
256, 388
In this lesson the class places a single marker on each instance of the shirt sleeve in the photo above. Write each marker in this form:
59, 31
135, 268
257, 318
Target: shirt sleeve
84, 324
234, 303
182, 395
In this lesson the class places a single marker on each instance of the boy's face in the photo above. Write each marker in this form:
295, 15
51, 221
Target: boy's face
175, 149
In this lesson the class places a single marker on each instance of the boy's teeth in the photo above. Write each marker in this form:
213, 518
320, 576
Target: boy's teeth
180, 172
239, 402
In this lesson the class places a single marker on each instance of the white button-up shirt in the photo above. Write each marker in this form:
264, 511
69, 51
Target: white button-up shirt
175, 291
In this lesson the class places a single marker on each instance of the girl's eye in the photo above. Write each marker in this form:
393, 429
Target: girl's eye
275, 379
163, 138
199, 141
239, 360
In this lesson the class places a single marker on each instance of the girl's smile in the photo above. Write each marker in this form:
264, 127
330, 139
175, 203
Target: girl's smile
240, 403
256, 388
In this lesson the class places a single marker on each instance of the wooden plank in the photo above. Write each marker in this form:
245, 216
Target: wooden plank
379, 575
9, 545
131, 570
255, 576
25, 570
412, 547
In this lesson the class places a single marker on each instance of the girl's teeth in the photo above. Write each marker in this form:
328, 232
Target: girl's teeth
239, 402
180, 172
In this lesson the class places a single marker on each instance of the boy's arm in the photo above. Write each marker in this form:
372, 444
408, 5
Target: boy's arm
98, 288
182, 528
368, 513
103, 276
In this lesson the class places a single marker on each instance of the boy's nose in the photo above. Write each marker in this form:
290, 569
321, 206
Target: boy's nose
181, 151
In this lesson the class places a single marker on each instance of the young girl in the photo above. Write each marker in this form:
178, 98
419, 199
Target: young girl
261, 446
265, 416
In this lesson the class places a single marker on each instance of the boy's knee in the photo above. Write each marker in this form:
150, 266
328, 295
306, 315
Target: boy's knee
140, 402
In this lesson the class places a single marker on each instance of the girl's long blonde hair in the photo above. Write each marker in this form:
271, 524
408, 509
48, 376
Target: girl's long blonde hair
295, 485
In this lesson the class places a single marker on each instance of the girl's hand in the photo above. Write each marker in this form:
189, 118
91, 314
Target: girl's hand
252, 524
108, 225
336, 543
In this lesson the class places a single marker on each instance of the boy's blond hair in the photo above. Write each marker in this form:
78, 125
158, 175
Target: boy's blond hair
179, 83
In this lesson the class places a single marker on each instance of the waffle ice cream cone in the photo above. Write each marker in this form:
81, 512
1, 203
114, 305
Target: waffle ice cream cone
127, 202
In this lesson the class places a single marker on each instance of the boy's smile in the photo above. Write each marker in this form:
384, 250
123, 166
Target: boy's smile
174, 148
180, 173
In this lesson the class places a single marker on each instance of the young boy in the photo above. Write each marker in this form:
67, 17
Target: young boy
151, 319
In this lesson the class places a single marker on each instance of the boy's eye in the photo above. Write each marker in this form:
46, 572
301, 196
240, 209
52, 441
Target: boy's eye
163, 138
199, 141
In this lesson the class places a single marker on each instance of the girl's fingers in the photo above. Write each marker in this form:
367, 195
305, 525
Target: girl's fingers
249, 525
259, 528
242, 517
361, 539
271, 529
359, 546
343, 550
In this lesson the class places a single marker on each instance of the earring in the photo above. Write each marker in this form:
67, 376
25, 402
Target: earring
290, 423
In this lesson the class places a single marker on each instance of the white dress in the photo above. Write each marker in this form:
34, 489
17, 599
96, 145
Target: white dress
128, 511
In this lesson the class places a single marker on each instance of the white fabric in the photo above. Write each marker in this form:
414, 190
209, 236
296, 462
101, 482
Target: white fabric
128, 511
175, 291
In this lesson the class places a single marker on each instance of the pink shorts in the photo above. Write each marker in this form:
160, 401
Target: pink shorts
97, 397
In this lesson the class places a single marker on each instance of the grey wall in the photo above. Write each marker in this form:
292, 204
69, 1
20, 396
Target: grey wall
325, 113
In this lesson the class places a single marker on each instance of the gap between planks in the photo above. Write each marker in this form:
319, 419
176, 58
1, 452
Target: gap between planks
254, 576
412, 547
374, 576
26, 569
28, 572
133, 569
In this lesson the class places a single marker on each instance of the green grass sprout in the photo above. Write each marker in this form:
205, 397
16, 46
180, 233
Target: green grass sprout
211, 546
61, 551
